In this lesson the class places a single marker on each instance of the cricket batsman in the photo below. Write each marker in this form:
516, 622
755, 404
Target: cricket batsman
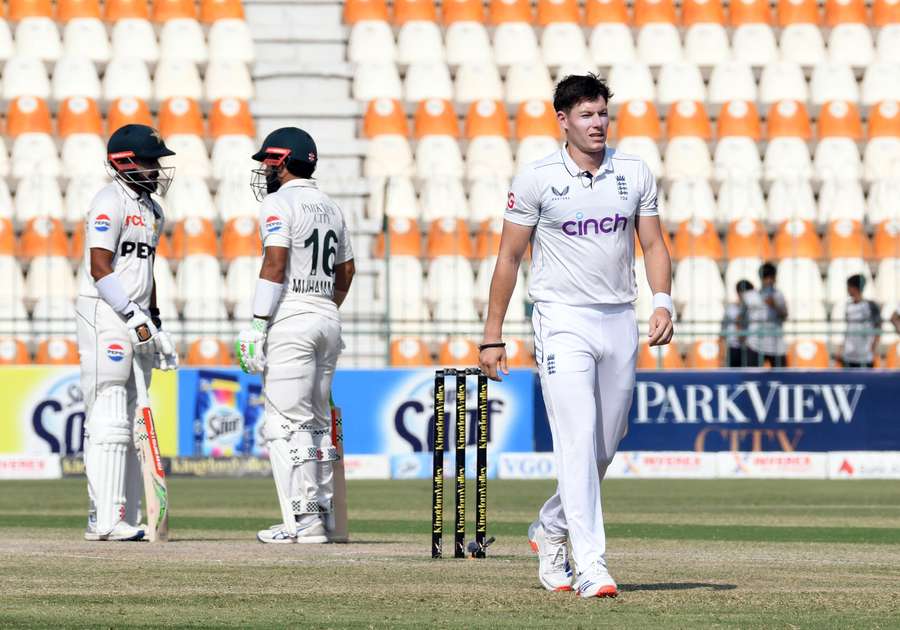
295, 336
580, 208
116, 318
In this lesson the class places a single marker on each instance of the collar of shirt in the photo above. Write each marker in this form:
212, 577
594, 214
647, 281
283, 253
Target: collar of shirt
577, 171
299, 183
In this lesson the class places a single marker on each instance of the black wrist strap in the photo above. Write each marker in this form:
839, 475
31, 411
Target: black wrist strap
497, 344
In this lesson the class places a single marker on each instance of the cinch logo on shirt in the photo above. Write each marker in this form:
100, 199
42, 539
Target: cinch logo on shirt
102, 223
273, 223
115, 352
606, 225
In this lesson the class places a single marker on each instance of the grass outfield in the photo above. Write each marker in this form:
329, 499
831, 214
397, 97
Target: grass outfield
687, 554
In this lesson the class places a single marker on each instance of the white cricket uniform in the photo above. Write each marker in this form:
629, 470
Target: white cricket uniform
129, 225
585, 332
304, 337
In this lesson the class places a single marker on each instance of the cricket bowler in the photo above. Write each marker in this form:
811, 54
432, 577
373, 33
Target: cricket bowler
580, 208
116, 318
295, 336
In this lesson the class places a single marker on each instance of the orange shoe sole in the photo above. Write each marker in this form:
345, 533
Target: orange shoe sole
606, 591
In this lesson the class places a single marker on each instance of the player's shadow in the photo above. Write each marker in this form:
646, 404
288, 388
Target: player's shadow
677, 586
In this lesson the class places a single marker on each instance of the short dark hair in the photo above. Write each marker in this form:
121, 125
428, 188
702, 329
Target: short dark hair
856, 281
767, 270
744, 285
299, 168
576, 88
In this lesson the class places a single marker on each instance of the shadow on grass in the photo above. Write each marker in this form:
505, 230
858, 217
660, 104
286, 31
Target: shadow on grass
677, 586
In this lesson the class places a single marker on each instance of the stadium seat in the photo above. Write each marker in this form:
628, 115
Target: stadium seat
13, 351
739, 119
449, 237
527, 81
403, 240
658, 357
611, 42
537, 131
166, 10
451, 282
705, 39
426, 80
50, 277
700, 319
638, 130
697, 279
194, 237
25, 76
206, 317
841, 199
888, 42
83, 150
689, 198
731, 81
36, 196
56, 351
846, 239
406, 303
839, 129
37, 36
7, 46
802, 43
394, 197
230, 40
228, 78
419, 41
632, 81
697, 238
437, 130
515, 42
79, 193
680, 81
886, 242
409, 352
563, 42
808, 353
75, 76
214, 11
736, 155
737, 269
84, 33
182, 38
782, 81
208, 351
133, 37
127, 77
458, 351
747, 238
881, 82
787, 154
706, 355
800, 281
126, 111
376, 79
181, 124
741, 199
178, 78
833, 82
791, 198
753, 40
189, 196
467, 41
487, 198
797, 239
881, 204
687, 153
488, 152
476, 81
658, 41
199, 276
358, 10
850, 40
443, 197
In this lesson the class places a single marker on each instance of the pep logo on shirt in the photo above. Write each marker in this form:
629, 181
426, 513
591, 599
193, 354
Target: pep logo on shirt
102, 222
273, 223
115, 352
585, 227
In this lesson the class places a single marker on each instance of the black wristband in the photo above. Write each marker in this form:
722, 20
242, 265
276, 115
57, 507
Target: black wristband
485, 346
154, 317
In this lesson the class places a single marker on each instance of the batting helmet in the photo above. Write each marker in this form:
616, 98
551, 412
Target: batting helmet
134, 152
289, 147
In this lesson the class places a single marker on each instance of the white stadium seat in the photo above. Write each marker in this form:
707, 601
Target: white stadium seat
687, 157
38, 38
881, 82
833, 82
791, 199
754, 44
612, 43
189, 197
468, 42
86, 37
706, 44
802, 44
376, 79
230, 39
127, 76
489, 155
419, 41
371, 41
25, 76
477, 81
645, 148
632, 81
782, 81
83, 155
487, 197
75, 76
182, 38
191, 158
37, 196
851, 44
787, 158
134, 37
527, 81
428, 79
438, 156
737, 157
690, 198
443, 197
177, 77
841, 199
680, 81
741, 199
562, 42
515, 42
34, 153
228, 78
658, 43
732, 81
837, 158
388, 155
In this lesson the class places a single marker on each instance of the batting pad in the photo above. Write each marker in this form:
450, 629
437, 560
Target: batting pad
105, 459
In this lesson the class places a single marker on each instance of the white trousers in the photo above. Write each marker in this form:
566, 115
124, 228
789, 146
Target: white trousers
105, 354
586, 356
301, 355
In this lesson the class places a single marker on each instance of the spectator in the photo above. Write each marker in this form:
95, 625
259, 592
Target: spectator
765, 311
733, 324
862, 316
895, 319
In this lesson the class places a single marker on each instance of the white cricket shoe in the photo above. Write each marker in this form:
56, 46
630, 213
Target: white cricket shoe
122, 531
310, 530
554, 570
596, 582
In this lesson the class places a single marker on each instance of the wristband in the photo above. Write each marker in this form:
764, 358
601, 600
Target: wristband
113, 293
485, 346
267, 295
664, 300
154, 317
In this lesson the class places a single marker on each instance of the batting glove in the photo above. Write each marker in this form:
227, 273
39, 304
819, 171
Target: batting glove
249, 346
141, 330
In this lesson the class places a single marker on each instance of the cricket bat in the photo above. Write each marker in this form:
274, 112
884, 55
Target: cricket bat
156, 494
341, 532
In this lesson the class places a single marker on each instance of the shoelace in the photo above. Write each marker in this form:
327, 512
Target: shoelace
559, 561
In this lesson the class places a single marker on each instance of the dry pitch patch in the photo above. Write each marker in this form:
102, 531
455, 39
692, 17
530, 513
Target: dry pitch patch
685, 572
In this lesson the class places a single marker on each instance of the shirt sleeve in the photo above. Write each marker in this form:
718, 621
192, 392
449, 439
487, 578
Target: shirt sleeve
274, 223
345, 248
523, 205
649, 206
104, 221
876, 314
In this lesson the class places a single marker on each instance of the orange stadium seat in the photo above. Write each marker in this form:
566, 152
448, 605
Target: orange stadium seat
463, 11
164, 10
606, 12
436, 117
76, 245
208, 351
688, 118
180, 116
230, 116
458, 351
750, 12
846, 239
798, 239
449, 237
405, 239
78, 115
885, 12
70, 9
704, 354
702, 12
414, 10
536, 118
164, 248
487, 243
409, 352
43, 236
7, 237
798, 12
362, 10
503, 11
884, 119
487, 118
240, 237
13, 351
384, 116
845, 12
658, 357
697, 238
788, 119
887, 240
638, 118
739, 118
127, 111
807, 353
747, 238
27, 114
57, 351
840, 119
213, 10
893, 357
517, 354
20, 9
557, 11
194, 236
654, 11
126, 9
